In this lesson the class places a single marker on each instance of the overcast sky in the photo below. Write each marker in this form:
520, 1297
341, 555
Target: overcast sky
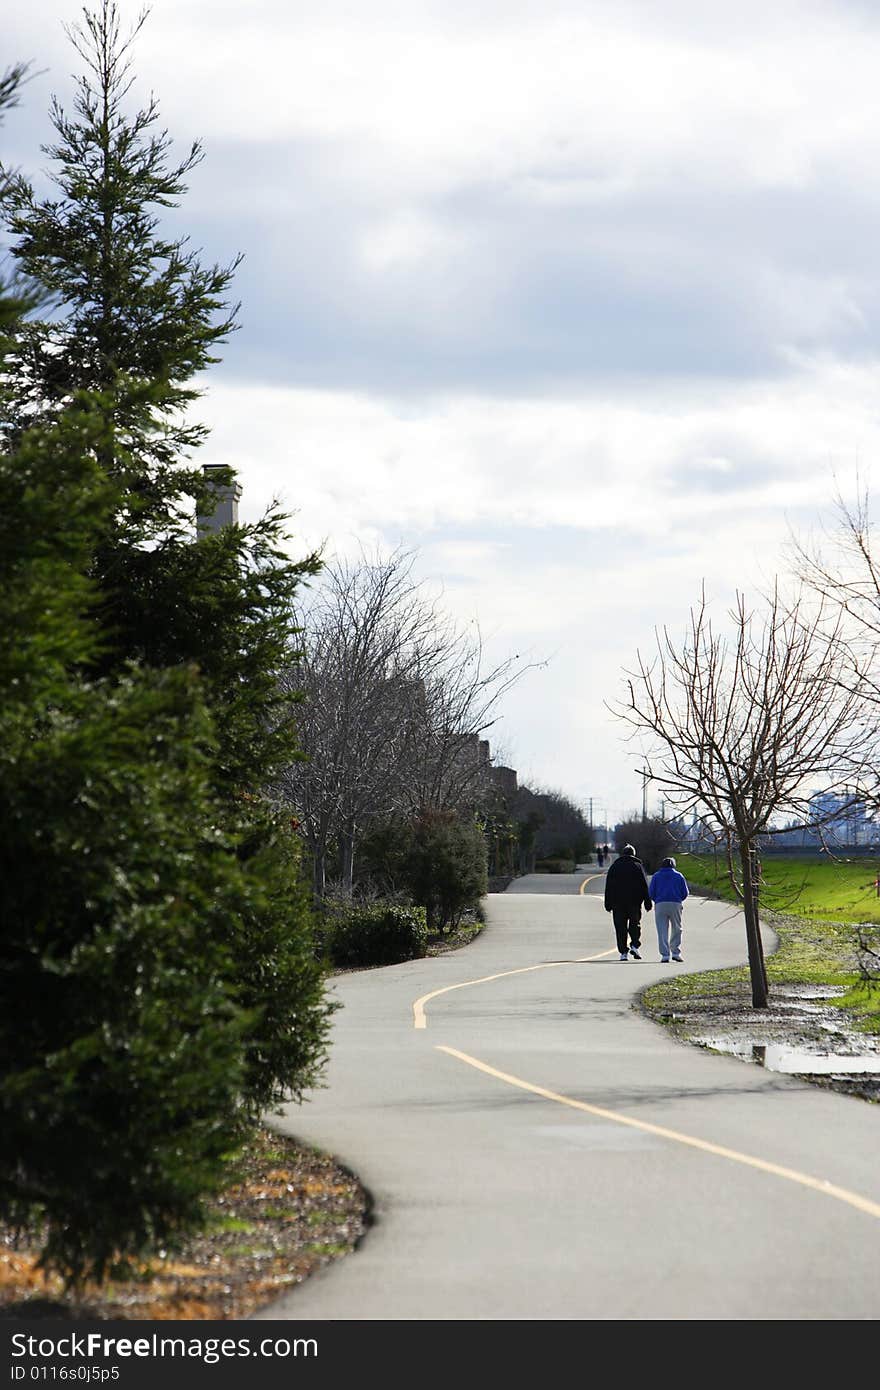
578, 298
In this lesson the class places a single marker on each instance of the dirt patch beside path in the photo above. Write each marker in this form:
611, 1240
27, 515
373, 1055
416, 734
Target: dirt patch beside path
291, 1211
800, 1026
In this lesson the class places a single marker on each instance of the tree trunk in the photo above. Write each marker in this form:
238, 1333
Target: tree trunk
319, 870
757, 969
347, 845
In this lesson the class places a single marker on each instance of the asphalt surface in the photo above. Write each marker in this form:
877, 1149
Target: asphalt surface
639, 1177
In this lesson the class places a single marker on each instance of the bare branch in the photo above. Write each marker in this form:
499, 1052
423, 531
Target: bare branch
747, 727
396, 704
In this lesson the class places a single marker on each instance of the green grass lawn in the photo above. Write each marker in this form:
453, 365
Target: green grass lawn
812, 905
822, 889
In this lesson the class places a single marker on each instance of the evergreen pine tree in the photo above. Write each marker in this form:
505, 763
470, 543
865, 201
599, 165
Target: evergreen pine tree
136, 314
120, 1028
135, 318
158, 985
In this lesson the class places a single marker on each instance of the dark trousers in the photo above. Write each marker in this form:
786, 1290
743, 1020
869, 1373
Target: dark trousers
627, 922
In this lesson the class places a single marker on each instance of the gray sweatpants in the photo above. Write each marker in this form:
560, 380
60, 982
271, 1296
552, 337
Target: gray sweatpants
668, 919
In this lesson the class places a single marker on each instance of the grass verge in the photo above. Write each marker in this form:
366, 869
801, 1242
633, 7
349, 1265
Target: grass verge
823, 889
824, 901
809, 953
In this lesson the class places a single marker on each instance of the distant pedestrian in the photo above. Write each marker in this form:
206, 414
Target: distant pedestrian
626, 893
600, 856
669, 889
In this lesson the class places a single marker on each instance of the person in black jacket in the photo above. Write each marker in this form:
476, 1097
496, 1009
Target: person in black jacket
626, 893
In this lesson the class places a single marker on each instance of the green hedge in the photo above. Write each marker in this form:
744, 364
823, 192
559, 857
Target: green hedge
354, 934
555, 866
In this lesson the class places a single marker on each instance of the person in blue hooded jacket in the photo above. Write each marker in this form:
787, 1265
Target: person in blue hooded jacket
668, 892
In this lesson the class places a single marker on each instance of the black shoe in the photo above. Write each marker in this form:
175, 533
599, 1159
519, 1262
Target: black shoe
680, 959
634, 953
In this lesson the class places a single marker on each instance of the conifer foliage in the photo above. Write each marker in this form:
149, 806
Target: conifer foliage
140, 314
158, 980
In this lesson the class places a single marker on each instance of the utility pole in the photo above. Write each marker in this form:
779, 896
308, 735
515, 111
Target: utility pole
645, 775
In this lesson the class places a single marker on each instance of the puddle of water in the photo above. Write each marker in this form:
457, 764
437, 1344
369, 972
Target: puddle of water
775, 1057
809, 991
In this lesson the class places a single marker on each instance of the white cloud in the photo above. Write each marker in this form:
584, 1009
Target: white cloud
580, 297
644, 458
406, 238
569, 529
435, 95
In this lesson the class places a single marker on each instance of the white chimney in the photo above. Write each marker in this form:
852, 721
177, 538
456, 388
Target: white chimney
225, 512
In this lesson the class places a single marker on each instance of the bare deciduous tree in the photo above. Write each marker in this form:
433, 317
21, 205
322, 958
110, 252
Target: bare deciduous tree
652, 838
844, 572
550, 826
745, 727
394, 702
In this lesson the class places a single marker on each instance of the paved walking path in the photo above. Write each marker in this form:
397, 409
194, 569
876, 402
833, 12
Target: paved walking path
537, 1149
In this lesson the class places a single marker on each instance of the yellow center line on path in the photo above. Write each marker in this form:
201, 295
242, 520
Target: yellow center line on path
829, 1189
586, 881
419, 1020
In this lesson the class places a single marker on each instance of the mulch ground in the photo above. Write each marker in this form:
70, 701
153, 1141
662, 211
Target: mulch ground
291, 1211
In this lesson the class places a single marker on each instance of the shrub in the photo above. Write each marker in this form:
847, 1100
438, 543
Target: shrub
555, 866
444, 864
380, 933
276, 980
381, 869
121, 1038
